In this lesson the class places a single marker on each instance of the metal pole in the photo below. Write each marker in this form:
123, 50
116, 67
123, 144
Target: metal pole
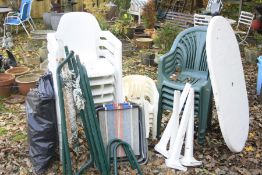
240, 6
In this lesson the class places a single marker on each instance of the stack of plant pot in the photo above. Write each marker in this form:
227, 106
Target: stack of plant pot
143, 37
24, 80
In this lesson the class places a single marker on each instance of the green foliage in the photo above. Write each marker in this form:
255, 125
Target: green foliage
149, 14
99, 13
2, 106
3, 131
121, 27
122, 4
165, 37
19, 137
258, 37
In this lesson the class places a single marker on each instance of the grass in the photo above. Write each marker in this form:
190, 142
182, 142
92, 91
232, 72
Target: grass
3, 131
19, 137
2, 106
4, 109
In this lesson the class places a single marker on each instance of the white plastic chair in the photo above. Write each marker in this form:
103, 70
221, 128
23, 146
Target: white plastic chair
136, 7
243, 26
201, 20
100, 51
142, 90
214, 7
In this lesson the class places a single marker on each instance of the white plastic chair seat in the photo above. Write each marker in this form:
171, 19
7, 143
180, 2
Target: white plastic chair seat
142, 90
99, 68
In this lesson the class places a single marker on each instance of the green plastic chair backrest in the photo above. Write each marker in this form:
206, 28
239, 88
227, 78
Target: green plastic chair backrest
189, 50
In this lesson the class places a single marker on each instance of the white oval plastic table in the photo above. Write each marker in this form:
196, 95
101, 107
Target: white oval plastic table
228, 83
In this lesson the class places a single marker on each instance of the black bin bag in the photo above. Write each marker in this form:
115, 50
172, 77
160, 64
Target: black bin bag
42, 125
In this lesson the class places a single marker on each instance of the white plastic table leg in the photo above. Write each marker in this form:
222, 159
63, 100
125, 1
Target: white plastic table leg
173, 160
188, 159
161, 147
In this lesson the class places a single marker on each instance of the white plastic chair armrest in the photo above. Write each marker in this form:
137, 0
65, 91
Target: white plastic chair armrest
54, 47
114, 45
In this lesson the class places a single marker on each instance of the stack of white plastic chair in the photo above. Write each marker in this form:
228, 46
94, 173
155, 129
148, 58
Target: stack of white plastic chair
175, 131
99, 51
136, 7
142, 90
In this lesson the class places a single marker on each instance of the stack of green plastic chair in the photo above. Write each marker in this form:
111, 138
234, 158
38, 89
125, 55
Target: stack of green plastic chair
186, 63
98, 155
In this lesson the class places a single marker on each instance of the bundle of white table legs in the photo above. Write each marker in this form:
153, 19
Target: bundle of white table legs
175, 132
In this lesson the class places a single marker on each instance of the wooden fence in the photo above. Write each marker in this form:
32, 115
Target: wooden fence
41, 6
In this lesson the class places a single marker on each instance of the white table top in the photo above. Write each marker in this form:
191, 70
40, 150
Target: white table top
228, 83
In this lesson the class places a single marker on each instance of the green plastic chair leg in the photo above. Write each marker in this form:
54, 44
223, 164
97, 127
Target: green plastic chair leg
204, 115
159, 115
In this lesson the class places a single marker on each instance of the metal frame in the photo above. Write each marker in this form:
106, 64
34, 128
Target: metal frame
244, 21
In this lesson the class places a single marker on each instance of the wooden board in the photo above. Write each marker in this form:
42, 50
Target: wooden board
228, 83
40, 7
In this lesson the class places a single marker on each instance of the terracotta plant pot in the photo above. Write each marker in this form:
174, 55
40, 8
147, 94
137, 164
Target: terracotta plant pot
144, 43
16, 71
140, 35
6, 82
26, 82
150, 32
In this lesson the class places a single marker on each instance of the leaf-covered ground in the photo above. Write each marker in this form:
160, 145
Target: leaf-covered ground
216, 157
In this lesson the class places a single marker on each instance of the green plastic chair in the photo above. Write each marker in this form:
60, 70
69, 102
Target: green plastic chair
187, 60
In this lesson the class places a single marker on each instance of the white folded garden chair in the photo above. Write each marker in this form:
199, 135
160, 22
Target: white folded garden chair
243, 26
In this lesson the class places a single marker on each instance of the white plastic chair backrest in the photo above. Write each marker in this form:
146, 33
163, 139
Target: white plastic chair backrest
135, 5
214, 6
80, 32
142, 89
245, 21
139, 86
201, 20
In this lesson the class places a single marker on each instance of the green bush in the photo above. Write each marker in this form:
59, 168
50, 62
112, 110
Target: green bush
165, 37
149, 14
